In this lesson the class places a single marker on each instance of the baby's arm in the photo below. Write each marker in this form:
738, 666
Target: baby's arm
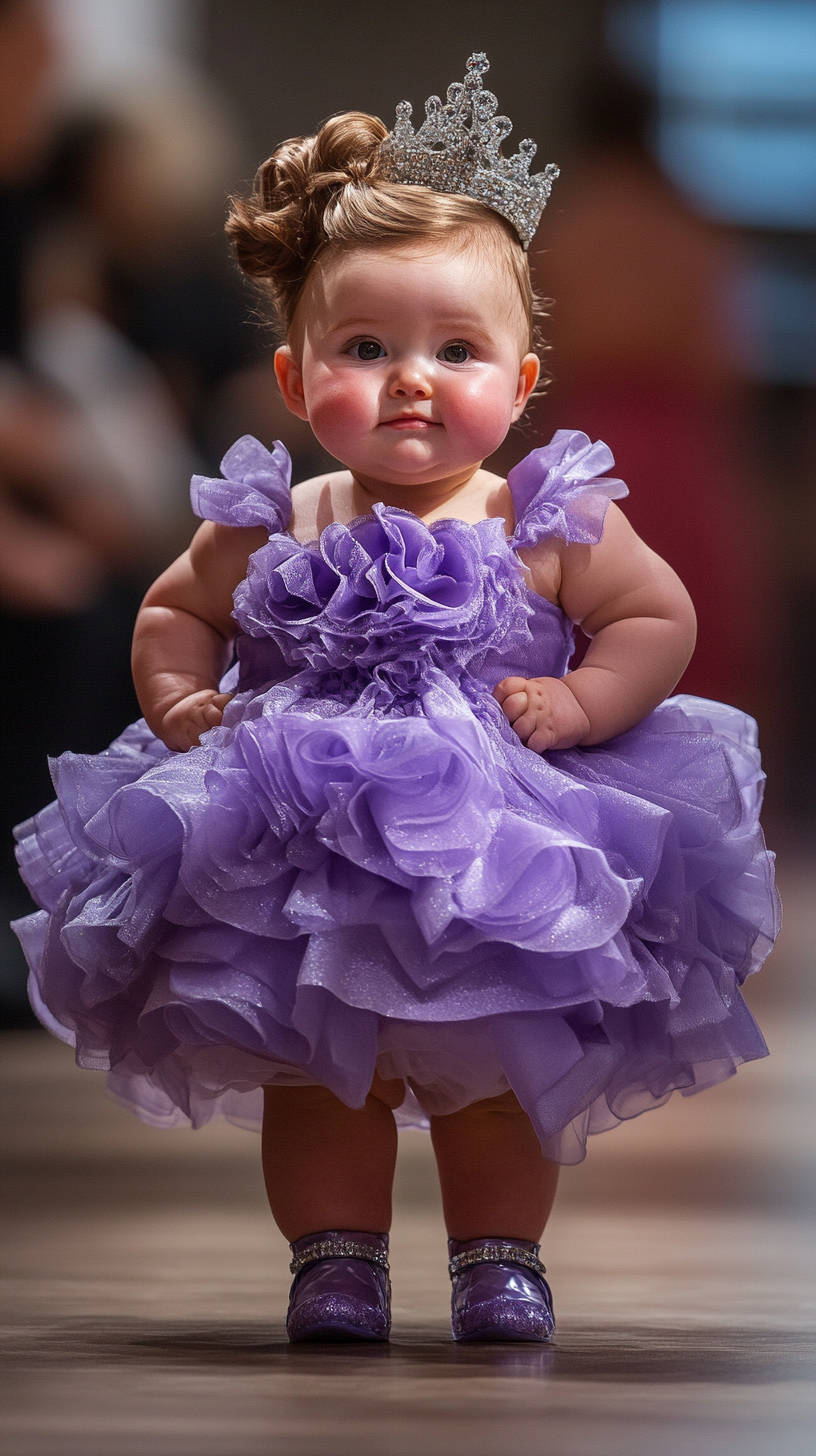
641, 621
183, 638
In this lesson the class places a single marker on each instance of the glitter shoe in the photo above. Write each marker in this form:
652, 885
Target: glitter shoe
341, 1289
499, 1291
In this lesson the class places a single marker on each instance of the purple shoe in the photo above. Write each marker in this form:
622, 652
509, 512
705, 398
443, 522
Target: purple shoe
499, 1291
341, 1289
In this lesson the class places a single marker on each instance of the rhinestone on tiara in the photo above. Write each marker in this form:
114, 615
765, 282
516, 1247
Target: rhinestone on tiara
457, 149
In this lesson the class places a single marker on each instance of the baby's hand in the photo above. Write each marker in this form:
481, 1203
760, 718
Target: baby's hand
543, 712
183, 724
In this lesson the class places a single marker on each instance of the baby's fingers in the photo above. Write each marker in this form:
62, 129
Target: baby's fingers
193, 716
213, 712
541, 738
508, 686
515, 705
528, 727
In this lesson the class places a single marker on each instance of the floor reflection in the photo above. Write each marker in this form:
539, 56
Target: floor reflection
636, 1353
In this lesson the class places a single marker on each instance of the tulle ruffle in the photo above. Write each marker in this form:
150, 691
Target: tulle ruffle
254, 490
557, 491
312, 894
387, 589
363, 867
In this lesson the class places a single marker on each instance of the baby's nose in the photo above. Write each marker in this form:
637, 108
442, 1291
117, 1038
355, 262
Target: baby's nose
411, 381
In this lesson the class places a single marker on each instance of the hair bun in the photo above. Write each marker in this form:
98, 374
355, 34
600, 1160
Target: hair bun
277, 232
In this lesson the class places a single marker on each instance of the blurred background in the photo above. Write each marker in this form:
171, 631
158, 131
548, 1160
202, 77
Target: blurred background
679, 252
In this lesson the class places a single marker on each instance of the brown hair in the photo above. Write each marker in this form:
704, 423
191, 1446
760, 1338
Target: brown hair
323, 192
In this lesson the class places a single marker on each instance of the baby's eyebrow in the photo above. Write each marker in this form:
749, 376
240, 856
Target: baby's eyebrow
353, 323
454, 326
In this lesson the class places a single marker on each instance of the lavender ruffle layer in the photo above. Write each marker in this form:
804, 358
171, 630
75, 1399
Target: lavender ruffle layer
364, 868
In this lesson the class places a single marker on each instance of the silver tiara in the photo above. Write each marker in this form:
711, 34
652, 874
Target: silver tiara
457, 149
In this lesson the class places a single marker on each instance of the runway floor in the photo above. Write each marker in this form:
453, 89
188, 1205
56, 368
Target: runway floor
146, 1284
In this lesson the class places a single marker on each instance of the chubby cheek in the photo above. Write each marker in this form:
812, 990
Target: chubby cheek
479, 417
340, 410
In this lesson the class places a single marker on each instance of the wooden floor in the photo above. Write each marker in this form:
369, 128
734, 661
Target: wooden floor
143, 1314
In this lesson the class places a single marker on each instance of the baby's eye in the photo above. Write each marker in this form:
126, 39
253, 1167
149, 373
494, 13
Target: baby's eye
454, 354
367, 349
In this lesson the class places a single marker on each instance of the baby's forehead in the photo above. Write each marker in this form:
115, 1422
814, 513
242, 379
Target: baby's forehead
474, 253
433, 274
477, 269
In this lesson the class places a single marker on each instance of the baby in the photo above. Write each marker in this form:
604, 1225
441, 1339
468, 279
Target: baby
401, 859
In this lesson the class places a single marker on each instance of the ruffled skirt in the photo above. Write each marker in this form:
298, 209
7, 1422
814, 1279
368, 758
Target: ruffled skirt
319, 892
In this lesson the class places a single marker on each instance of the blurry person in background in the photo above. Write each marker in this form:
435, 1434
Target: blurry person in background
66, 531
133, 298
82, 525
55, 530
646, 355
132, 280
125, 364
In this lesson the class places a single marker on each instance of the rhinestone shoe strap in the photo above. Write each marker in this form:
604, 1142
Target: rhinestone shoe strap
338, 1249
495, 1253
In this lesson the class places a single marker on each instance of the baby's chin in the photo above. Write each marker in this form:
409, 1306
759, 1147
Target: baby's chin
409, 459
407, 479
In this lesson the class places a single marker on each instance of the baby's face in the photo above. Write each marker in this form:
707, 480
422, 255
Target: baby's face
409, 366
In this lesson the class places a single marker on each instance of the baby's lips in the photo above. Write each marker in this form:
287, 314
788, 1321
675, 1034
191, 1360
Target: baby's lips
409, 422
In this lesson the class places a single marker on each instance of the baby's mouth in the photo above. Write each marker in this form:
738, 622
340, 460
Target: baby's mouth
409, 422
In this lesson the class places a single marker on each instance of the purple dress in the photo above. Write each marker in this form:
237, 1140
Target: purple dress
364, 868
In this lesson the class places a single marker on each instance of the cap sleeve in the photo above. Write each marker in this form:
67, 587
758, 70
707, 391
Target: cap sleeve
254, 490
556, 490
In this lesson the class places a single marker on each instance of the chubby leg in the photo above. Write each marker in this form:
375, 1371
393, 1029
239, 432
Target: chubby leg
495, 1181
329, 1170
497, 1192
328, 1166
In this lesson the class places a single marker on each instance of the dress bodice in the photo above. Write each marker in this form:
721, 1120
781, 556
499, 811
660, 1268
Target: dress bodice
388, 594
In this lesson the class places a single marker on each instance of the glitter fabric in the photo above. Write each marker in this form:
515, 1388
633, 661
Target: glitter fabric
363, 868
457, 150
499, 1298
339, 1295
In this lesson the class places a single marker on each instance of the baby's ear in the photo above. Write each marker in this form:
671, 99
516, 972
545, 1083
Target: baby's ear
290, 381
529, 370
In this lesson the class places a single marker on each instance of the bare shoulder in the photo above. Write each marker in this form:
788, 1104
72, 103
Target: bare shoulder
221, 552
558, 570
224, 539
620, 577
202, 580
319, 501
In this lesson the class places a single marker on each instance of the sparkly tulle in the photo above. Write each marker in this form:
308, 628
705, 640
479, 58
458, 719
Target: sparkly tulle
364, 868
